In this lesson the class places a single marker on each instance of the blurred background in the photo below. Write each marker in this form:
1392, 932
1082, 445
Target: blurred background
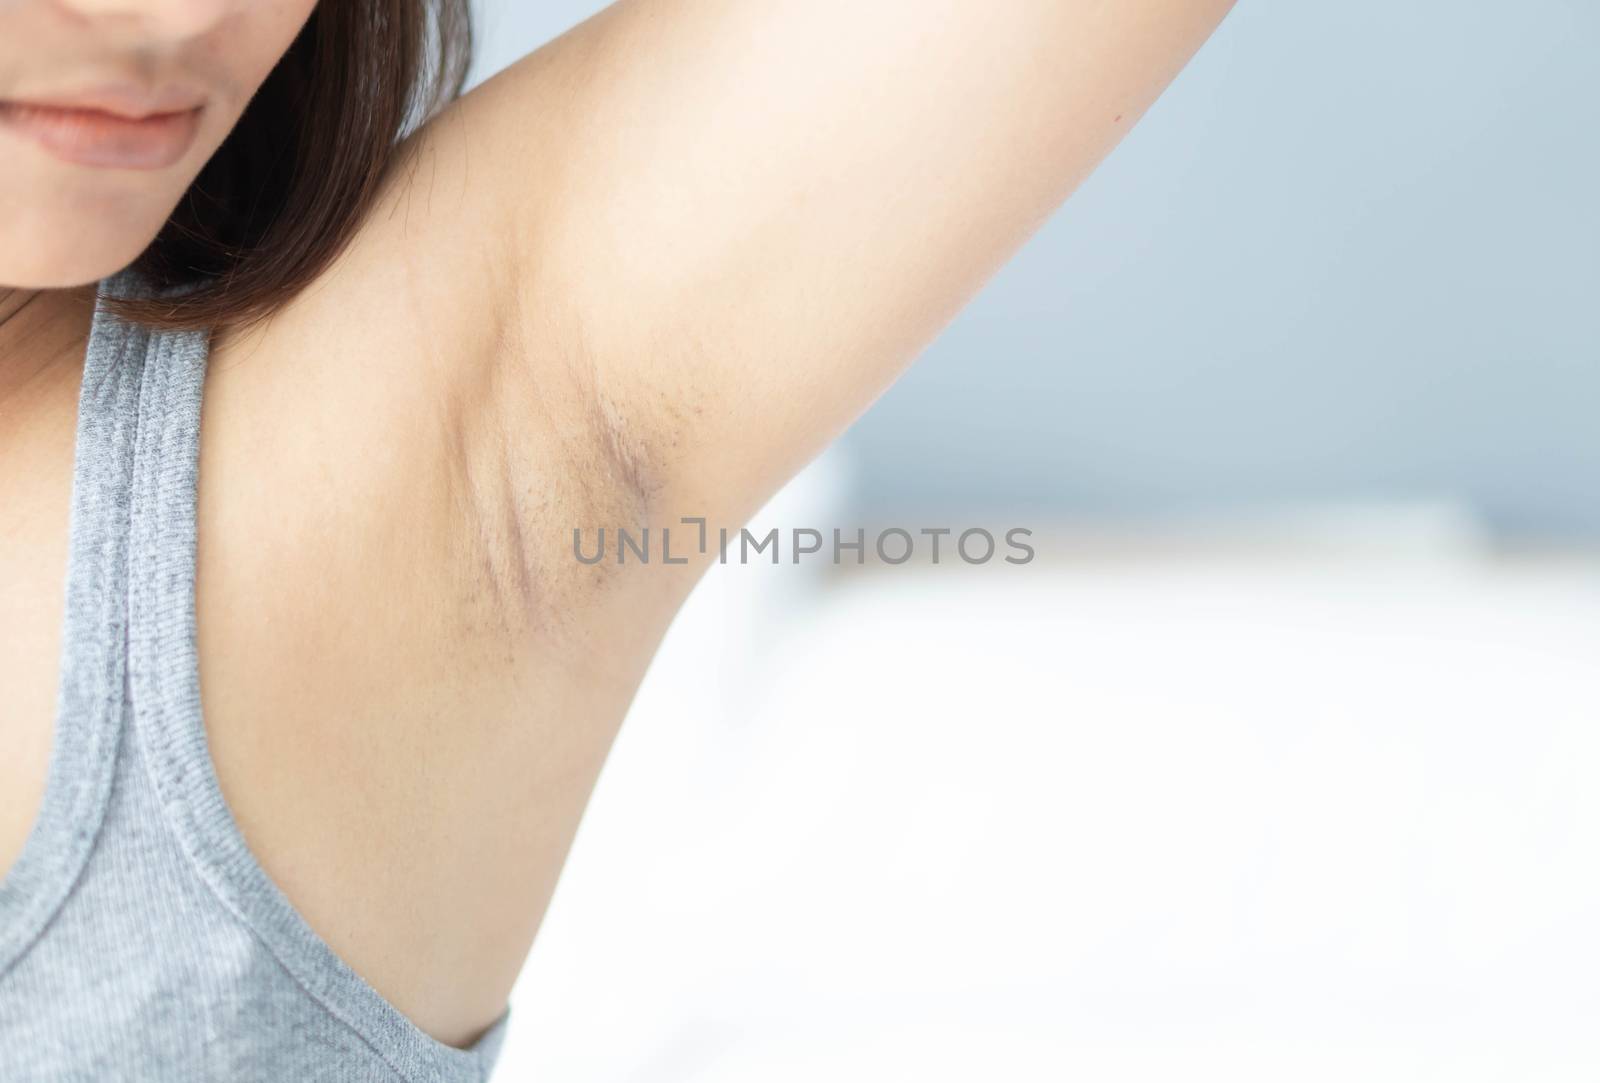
1280, 758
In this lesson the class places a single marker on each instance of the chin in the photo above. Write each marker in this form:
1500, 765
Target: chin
67, 225
58, 248
63, 273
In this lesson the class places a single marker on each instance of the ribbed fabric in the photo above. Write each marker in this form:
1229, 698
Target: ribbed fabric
139, 938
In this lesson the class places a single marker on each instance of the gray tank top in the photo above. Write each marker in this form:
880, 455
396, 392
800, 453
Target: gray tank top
139, 938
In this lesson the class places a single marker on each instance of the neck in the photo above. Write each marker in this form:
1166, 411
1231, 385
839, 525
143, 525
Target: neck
11, 301
40, 331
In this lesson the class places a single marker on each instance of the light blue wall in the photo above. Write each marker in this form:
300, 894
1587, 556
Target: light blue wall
1354, 253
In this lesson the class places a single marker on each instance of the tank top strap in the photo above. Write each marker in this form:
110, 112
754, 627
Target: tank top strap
133, 814
168, 724
91, 686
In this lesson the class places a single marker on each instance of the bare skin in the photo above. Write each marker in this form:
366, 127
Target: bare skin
648, 272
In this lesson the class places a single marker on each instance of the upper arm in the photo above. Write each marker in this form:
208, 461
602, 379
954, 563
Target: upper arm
741, 221
647, 272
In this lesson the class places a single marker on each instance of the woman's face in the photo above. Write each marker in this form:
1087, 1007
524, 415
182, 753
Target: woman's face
108, 110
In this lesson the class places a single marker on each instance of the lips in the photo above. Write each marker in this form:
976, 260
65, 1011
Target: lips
111, 128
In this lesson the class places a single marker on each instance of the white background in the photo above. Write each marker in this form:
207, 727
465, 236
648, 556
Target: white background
1309, 799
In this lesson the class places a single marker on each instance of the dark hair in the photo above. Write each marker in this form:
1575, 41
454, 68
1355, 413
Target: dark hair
284, 193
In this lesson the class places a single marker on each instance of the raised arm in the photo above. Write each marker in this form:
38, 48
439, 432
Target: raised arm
645, 273
737, 222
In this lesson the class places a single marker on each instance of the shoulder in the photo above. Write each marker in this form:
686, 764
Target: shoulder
393, 635
423, 350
